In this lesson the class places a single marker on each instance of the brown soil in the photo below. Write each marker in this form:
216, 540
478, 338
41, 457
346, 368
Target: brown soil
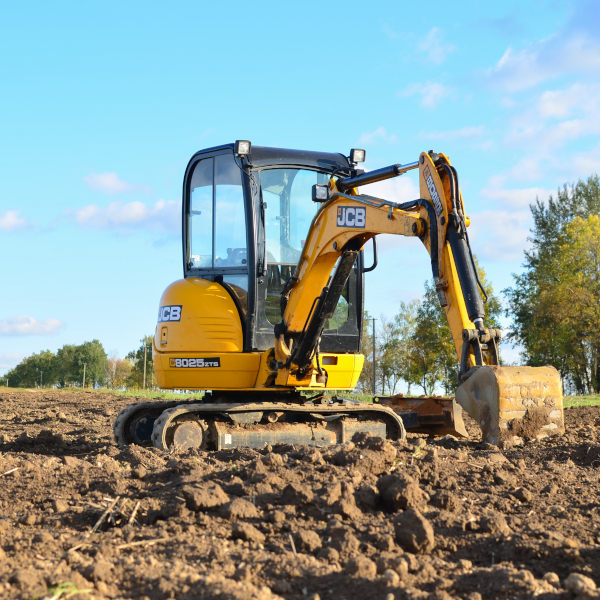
420, 519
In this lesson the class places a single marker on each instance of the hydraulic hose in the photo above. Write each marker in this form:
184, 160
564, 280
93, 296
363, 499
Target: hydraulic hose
433, 230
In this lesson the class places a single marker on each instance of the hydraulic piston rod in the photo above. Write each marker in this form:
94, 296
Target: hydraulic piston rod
373, 176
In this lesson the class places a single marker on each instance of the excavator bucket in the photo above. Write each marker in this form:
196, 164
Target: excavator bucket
514, 404
435, 415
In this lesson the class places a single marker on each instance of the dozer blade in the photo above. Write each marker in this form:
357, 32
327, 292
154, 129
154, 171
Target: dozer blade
514, 404
434, 415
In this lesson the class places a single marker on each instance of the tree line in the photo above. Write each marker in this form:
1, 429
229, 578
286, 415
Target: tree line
84, 365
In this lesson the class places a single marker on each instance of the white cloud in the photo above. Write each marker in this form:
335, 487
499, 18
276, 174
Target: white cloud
567, 51
550, 124
431, 93
22, 325
514, 198
434, 46
109, 183
562, 103
379, 134
11, 221
10, 359
586, 163
389, 31
500, 235
465, 133
165, 215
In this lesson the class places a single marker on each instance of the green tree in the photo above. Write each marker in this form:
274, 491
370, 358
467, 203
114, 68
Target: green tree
92, 355
429, 339
388, 356
33, 370
70, 361
65, 366
136, 357
119, 371
405, 323
433, 358
540, 322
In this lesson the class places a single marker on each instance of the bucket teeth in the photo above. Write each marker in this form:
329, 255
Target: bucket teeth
514, 404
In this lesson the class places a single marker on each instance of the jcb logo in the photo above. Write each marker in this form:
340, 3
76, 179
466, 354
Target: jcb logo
351, 216
169, 313
435, 197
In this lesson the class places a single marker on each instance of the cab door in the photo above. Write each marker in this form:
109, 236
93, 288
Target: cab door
286, 212
218, 237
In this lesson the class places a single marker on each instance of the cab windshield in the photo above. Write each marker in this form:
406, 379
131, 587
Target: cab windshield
288, 215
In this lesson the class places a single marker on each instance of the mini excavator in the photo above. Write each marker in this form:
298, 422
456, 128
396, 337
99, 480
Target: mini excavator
268, 317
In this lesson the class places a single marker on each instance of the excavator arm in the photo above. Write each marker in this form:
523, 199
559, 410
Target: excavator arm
342, 226
493, 395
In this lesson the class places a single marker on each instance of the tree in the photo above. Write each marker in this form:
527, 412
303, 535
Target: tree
119, 371
388, 357
92, 355
136, 357
33, 370
405, 323
428, 343
433, 358
548, 332
65, 366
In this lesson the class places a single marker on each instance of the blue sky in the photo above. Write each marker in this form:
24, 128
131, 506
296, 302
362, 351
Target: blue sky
103, 104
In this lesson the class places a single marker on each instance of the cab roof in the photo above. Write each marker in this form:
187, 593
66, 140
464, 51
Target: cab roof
262, 156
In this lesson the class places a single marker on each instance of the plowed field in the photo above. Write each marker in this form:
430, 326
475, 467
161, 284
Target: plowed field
371, 519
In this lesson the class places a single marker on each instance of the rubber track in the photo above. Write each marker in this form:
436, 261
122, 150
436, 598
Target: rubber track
162, 423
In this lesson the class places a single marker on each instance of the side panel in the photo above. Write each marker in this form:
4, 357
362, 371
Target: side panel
197, 315
344, 374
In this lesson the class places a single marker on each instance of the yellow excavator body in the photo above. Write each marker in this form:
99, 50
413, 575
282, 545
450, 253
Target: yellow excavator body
207, 331
271, 305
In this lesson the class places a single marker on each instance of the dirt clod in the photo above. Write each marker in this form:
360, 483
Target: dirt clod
523, 494
295, 493
580, 584
400, 492
205, 497
239, 509
494, 523
414, 532
247, 532
361, 566
308, 541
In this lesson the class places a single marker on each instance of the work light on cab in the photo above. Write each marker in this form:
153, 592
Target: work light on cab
357, 155
320, 192
242, 147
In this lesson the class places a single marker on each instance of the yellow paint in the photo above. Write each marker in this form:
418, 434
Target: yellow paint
209, 322
456, 311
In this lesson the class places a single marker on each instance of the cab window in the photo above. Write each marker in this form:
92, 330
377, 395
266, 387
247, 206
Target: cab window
217, 223
288, 215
